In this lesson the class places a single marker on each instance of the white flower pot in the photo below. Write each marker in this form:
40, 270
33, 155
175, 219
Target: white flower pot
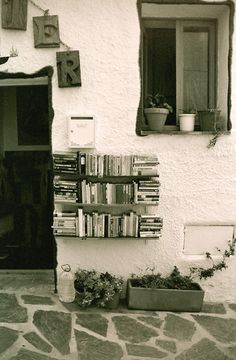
186, 122
156, 118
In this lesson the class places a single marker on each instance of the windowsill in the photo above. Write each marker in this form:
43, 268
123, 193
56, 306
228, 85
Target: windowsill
178, 132
174, 130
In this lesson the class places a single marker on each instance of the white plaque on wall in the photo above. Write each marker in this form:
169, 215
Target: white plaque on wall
81, 132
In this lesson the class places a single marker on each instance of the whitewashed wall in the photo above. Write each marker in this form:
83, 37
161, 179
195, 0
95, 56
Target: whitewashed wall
198, 184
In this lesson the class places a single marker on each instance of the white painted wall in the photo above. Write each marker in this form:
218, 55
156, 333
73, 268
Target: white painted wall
198, 184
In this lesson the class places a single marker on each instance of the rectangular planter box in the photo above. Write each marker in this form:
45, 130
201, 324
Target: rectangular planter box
164, 299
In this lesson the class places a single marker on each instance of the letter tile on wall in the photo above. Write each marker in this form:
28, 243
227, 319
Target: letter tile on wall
14, 14
68, 68
46, 31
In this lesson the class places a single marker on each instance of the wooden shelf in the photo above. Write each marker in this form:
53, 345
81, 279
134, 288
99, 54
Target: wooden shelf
114, 209
105, 238
104, 205
104, 178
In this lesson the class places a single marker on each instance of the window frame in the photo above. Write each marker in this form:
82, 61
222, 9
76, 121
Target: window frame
222, 13
179, 25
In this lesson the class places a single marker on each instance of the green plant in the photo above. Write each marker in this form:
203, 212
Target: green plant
203, 273
158, 101
96, 288
184, 282
173, 281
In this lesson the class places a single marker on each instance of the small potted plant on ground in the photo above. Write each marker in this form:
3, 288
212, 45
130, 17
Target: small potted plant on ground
175, 292
156, 111
97, 289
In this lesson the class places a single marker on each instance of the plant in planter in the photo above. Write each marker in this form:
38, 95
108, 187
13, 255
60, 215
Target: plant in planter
210, 120
156, 111
97, 289
175, 292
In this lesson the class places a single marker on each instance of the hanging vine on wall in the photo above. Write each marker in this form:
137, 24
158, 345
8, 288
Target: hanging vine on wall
204, 273
214, 140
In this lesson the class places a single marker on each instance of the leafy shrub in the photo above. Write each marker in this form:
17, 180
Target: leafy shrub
96, 288
173, 281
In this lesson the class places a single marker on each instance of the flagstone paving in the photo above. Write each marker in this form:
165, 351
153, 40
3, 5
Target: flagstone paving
35, 325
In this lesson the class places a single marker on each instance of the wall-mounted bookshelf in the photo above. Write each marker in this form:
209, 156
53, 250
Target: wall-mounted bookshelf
105, 196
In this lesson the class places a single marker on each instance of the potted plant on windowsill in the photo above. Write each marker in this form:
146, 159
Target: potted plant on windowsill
175, 292
211, 120
156, 111
187, 120
97, 289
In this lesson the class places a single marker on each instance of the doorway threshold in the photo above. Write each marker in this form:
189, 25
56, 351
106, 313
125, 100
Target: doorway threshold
30, 281
27, 271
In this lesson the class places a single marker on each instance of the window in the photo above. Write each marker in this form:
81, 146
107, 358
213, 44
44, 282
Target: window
25, 114
185, 53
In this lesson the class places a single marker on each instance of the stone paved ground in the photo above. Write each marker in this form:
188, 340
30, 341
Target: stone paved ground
34, 325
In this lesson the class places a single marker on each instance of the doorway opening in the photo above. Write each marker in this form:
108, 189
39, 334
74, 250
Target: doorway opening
26, 174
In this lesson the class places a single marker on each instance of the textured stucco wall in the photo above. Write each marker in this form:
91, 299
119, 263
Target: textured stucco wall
198, 184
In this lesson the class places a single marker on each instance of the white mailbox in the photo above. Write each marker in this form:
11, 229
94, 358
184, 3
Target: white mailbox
81, 132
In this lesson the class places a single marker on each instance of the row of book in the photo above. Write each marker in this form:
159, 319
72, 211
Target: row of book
142, 191
106, 225
105, 165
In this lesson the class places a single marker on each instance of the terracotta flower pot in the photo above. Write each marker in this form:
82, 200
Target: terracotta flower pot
156, 118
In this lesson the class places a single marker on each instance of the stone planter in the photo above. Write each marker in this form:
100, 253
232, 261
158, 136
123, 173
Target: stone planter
156, 118
164, 299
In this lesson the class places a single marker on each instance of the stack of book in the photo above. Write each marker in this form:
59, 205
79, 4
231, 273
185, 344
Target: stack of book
65, 162
150, 226
146, 192
145, 165
64, 223
65, 190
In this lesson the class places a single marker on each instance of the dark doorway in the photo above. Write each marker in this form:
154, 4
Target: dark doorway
26, 191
